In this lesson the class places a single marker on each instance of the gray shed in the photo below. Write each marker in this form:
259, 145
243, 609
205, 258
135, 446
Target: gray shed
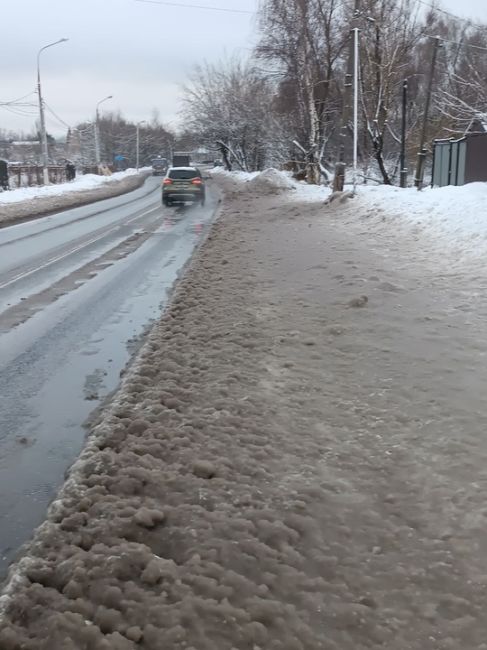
457, 162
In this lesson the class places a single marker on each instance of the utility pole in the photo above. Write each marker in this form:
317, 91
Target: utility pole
97, 133
137, 145
418, 181
339, 180
97, 140
403, 173
44, 147
42, 117
81, 154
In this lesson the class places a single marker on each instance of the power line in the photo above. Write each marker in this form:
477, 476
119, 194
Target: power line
459, 43
191, 6
15, 101
450, 15
61, 121
17, 111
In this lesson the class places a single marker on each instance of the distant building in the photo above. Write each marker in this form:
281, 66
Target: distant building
29, 152
20, 151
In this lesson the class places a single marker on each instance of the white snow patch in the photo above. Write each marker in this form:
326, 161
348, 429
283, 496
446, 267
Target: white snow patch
446, 217
269, 180
272, 180
237, 176
81, 183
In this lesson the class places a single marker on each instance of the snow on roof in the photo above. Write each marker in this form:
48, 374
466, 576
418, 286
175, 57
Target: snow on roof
479, 118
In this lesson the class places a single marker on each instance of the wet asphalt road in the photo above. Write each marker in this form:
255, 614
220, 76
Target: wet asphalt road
77, 292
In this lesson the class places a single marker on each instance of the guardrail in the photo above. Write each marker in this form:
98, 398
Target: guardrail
31, 175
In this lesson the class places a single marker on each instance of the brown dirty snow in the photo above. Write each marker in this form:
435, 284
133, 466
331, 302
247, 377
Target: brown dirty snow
279, 471
40, 206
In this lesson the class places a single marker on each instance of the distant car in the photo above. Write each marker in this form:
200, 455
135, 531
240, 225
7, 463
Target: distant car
218, 163
182, 184
159, 166
181, 159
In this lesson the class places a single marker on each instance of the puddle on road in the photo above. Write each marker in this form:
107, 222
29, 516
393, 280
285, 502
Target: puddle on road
56, 385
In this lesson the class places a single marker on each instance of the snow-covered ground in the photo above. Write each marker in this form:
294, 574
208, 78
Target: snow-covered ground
80, 184
448, 219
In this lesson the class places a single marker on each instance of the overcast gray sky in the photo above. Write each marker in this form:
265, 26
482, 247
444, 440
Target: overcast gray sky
470, 8
138, 52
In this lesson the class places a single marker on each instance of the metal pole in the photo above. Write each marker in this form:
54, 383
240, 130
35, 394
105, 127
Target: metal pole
355, 103
137, 149
81, 154
44, 149
418, 181
97, 133
43, 134
403, 173
339, 179
97, 140
138, 143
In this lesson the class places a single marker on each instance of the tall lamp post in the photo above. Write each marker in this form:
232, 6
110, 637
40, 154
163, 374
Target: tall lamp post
45, 151
356, 90
97, 134
403, 172
137, 146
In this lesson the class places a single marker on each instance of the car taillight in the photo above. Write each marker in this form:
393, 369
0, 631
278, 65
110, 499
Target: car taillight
196, 181
167, 181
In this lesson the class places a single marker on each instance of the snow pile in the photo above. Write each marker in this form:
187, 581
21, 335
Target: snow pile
81, 183
271, 181
232, 181
268, 181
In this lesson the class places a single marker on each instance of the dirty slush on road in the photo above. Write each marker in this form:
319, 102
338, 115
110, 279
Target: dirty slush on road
288, 465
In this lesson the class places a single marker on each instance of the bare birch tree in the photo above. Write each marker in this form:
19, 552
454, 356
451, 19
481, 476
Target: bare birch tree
230, 106
304, 40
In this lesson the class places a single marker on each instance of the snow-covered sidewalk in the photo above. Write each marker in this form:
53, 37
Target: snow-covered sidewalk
29, 202
448, 223
297, 460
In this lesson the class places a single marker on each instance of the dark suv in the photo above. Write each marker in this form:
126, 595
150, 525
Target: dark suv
183, 184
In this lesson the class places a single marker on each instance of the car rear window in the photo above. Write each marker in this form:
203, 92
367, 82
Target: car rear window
183, 173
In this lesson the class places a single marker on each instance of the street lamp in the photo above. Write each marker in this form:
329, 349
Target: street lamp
97, 134
356, 67
45, 151
356, 89
138, 143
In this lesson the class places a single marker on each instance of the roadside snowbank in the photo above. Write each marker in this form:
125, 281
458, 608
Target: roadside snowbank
451, 222
30, 203
80, 184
